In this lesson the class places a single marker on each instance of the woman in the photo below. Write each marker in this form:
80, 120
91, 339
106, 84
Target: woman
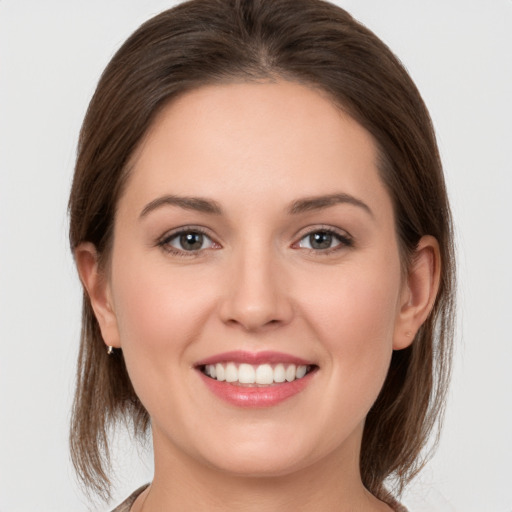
260, 223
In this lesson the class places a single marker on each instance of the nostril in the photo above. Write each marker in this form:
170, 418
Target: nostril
252, 320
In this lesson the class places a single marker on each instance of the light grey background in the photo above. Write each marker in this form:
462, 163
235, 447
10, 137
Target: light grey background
51, 55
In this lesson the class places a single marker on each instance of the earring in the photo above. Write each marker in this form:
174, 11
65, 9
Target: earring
110, 350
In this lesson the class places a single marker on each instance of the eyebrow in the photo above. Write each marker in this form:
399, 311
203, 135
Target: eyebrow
212, 207
197, 204
319, 202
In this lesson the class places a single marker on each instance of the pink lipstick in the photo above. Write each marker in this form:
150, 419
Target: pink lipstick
255, 379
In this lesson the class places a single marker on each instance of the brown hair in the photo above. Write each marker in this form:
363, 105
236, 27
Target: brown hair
315, 43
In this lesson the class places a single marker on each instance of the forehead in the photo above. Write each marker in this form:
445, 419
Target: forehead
271, 141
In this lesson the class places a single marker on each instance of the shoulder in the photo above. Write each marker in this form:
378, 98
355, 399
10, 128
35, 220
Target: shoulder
126, 505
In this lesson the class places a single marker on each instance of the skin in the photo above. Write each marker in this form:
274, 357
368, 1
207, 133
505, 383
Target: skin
255, 149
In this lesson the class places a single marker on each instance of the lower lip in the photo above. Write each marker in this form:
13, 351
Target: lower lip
254, 397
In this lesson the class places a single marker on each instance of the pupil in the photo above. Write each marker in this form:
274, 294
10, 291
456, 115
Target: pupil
191, 241
320, 240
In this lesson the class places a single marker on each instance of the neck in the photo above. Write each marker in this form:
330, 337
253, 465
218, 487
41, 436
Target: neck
183, 483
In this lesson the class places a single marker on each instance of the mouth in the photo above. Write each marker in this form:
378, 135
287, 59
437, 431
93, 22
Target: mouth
250, 375
262, 379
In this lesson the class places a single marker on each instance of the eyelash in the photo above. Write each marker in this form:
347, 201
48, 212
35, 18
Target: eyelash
345, 241
166, 240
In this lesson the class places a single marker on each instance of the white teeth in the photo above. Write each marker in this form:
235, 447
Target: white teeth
290, 373
301, 371
246, 374
231, 372
221, 373
210, 370
263, 374
279, 373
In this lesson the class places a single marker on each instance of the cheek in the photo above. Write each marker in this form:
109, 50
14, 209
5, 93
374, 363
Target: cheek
354, 316
154, 303
159, 314
357, 304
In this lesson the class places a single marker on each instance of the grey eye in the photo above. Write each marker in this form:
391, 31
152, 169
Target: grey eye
320, 240
190, 241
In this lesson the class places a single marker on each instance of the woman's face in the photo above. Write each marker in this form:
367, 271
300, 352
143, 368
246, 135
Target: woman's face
256, 241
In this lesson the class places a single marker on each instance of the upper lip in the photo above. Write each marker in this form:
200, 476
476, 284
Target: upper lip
254, 358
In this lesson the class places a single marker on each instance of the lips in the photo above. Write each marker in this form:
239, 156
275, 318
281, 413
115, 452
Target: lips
261, 379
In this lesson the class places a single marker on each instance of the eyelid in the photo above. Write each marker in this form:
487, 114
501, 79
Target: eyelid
165, 239
345, 238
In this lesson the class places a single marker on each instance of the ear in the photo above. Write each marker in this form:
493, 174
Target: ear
419, 291
97, 287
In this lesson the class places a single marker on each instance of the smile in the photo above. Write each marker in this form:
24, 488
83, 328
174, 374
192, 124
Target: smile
258, 375
263, 379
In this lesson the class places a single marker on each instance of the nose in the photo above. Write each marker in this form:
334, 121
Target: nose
257, 295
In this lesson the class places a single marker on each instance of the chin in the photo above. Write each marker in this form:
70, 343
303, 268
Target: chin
271, 452
270, 464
